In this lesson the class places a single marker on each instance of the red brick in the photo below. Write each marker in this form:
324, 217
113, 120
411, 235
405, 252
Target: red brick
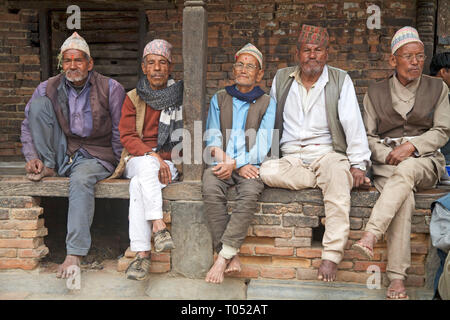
350, 276
355, 235
419, 247
294, 242
34, 233
309, 252
25, 264
303, 232
160, 267
280, 232
364, 265
291, 262
39, 252
345, 265
246, 272
21, 243
306, 274
30, 224
258, 260
7, 234
278, 273
4, 213
273, 251
26, 214
29, 59
247, 249
416, 269
8, 253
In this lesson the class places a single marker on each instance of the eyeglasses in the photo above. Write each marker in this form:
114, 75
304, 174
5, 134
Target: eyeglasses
249, 67
420, 57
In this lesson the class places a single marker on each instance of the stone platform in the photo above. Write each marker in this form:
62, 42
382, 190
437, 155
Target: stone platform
283, 241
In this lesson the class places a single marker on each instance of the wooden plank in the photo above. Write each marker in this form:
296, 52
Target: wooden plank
45, 45
104, 5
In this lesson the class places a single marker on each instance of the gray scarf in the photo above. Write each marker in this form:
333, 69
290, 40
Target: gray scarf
169, 100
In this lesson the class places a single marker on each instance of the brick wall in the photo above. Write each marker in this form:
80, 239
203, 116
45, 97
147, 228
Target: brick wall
22, 233
273, 27
19, 75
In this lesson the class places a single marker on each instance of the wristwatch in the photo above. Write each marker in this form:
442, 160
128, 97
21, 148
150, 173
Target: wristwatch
360, 167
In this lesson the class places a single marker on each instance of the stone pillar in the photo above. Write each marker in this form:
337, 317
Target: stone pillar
426, 13
193, 253
22, 233
195, 38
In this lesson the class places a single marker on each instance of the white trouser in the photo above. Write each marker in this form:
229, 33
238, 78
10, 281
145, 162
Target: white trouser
145, 198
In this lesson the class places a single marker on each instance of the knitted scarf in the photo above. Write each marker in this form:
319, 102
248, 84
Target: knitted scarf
248, 97
169, 100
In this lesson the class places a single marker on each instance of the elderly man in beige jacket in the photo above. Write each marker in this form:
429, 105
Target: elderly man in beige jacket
407, 119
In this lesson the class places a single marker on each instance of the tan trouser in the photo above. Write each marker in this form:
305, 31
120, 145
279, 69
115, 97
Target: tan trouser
331, 173
444, 281
393, 209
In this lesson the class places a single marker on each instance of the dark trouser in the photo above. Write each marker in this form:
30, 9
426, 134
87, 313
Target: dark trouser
226, 229
50, 144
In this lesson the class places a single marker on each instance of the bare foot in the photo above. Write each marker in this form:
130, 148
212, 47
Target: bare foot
396, 290
234, 265
46, 172
327, 271
215, 274
63, 271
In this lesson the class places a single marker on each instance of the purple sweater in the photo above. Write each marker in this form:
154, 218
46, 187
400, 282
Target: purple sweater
80, 117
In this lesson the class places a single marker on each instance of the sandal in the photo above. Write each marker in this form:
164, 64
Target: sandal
365, 251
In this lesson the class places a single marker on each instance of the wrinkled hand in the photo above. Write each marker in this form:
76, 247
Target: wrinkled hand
359, 178
164, 174
224, 170
34, 166
400, 153
248, 171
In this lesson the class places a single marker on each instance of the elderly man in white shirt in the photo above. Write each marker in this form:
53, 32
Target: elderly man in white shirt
323, 139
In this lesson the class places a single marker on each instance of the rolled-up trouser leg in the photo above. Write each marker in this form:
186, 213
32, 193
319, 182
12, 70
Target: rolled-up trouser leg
335, 180
85, 173
145, 199
215, 205
247, 194
48, 138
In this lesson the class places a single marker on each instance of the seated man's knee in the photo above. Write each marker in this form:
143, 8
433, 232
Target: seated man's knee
39, 106
211, 185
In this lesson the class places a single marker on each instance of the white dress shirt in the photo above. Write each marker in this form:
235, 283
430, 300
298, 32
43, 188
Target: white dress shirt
305, 127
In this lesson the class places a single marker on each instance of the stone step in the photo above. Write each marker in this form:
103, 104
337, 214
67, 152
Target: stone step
318, 290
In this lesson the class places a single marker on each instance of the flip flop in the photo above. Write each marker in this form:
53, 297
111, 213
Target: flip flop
365, 251
401, 296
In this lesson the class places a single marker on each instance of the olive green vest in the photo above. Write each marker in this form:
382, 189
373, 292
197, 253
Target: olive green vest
255, 114
333, 89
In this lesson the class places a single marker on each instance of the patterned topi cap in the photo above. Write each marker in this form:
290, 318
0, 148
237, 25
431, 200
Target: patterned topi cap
403, 36
159, 47
75, 41
250, 49
313, 35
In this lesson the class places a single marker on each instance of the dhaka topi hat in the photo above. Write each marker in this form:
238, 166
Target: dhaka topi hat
159, 47
75, 41
252, 50
403, 36
313, 35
